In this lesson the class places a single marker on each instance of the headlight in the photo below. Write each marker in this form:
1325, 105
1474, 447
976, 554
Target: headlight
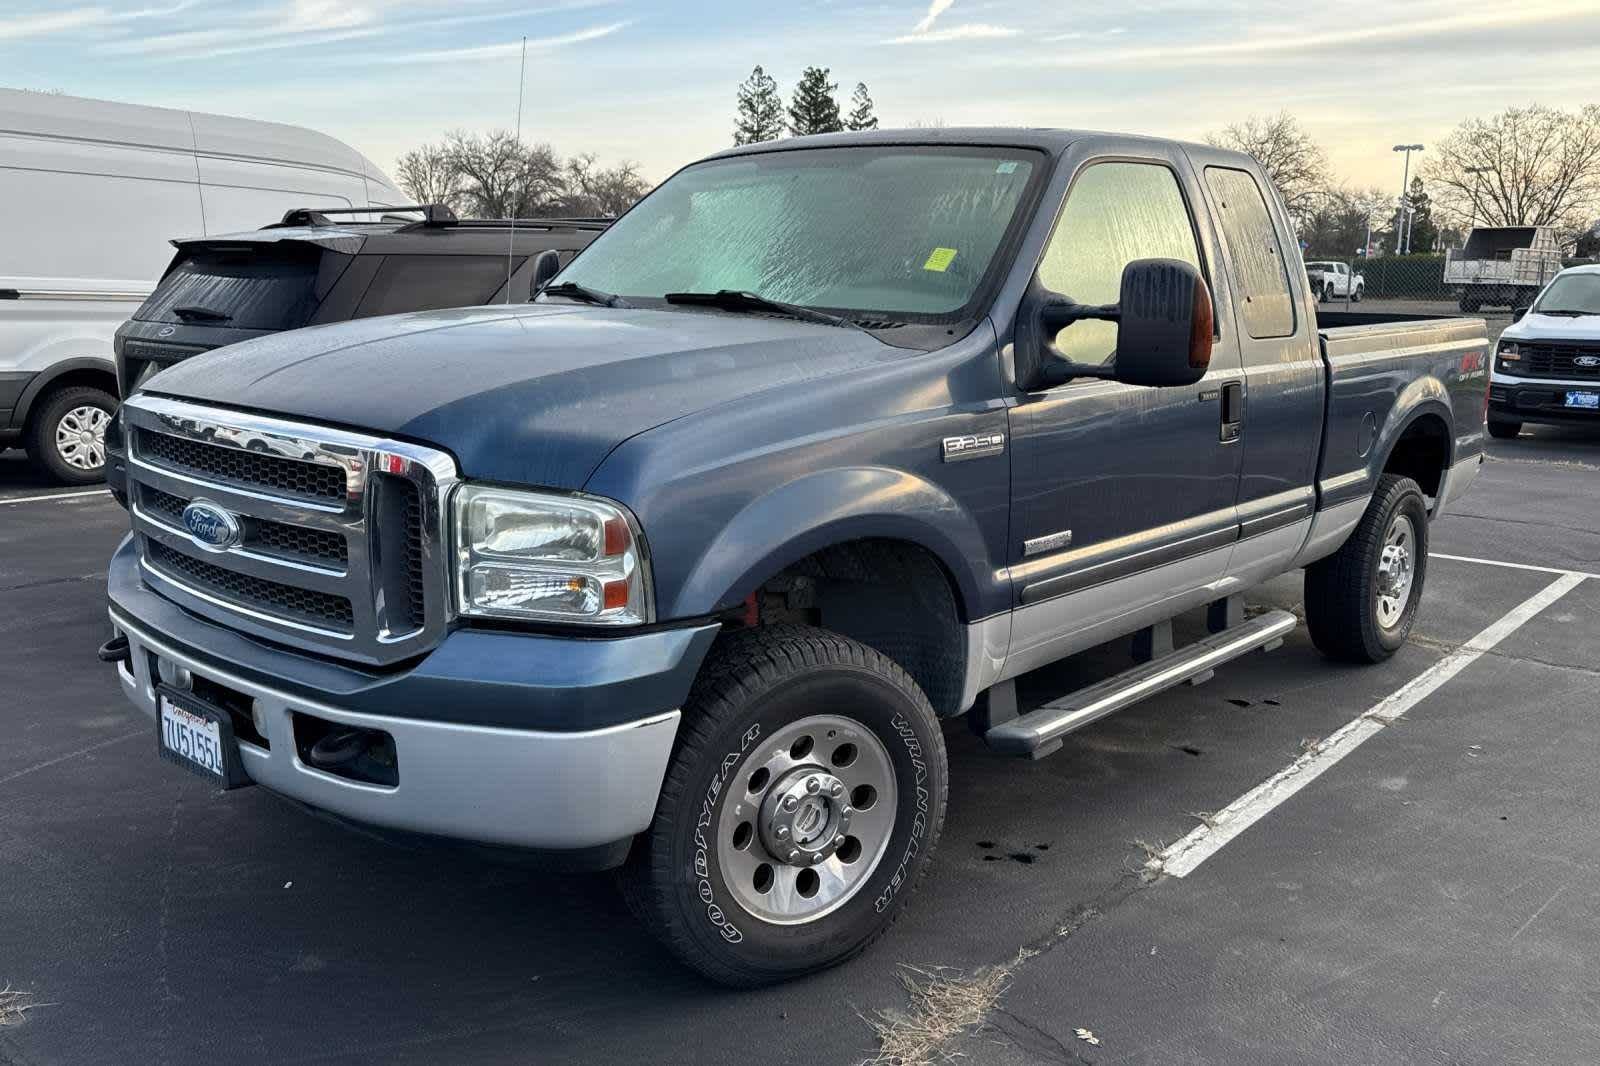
1509, 352
543, 557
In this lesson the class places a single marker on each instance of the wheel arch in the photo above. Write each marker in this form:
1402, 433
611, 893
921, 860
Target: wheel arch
84, 370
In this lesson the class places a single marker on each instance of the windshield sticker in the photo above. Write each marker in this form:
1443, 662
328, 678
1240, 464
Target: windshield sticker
1008, 167
939, 259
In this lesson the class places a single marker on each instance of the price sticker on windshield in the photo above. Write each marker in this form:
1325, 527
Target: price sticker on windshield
939, 260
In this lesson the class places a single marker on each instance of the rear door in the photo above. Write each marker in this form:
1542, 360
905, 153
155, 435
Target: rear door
1126, 489
1281, 420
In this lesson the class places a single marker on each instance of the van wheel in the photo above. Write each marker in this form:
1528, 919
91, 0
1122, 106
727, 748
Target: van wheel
800, 808
1361, 601
67, 436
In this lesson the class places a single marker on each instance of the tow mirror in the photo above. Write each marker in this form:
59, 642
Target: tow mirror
545, 267
1164, 328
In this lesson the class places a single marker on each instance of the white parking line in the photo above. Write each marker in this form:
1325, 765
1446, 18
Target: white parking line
56, 496
1508, 565
1183, 857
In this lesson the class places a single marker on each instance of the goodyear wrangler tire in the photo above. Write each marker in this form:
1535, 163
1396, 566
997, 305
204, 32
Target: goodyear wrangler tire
801, 806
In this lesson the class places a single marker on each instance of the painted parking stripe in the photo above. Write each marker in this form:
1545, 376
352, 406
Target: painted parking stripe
57, 496
1181, 859
1508, 565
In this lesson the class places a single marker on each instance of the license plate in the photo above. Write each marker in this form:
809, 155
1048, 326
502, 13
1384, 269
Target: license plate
198, 738
1587, 400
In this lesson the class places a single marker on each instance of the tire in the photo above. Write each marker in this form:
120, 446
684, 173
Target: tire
694, 878
1504, 430
1468, 304
66, 437
1344, 612
1327, 294
1355, 297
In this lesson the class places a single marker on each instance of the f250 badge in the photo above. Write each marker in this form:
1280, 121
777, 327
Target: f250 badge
973, 446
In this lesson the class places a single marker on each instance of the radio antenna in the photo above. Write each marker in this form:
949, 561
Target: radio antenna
511, 235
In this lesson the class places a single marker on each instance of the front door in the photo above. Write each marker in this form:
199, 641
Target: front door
1113, 481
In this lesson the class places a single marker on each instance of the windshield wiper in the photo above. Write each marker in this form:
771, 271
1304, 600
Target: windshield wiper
1564, 312
740, 300
195, 313
572, 290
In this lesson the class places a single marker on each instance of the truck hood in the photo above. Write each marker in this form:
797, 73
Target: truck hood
533, 394
1535, 327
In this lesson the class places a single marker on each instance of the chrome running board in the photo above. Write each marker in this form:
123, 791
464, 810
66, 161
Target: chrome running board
1038, 733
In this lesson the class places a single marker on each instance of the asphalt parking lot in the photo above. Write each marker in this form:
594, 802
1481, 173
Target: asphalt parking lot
1426, 895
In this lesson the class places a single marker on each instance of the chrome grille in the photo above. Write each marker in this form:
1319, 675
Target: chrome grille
338, 545
246, 467
307, 605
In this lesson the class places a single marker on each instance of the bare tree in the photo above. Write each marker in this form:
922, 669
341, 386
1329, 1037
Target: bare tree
1341, 222
1526, 166
502, 178
594, 190
1296, 164
428, 175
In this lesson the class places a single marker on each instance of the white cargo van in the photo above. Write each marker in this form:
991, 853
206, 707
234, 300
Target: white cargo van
91, 192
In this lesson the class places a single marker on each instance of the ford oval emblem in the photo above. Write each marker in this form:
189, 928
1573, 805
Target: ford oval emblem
1587, 360
211, 527
166, 331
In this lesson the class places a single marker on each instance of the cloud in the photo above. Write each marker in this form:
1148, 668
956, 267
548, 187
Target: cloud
510, 48
935, 9
967, 31
1321, 40
12, 29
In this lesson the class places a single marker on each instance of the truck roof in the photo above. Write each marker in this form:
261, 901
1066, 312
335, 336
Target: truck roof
1046, 139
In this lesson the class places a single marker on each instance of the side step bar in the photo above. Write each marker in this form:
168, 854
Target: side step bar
1038, 733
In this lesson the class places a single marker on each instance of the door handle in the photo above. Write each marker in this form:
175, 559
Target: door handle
1232, 411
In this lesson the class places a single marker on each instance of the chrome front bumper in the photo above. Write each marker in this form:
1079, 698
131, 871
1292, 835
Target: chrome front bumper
523, 788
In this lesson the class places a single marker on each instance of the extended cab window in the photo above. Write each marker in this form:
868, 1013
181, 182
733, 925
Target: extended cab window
907, 232
428, 282
1114, 214
1259, 271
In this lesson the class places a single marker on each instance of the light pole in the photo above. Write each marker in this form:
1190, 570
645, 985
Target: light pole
1405, 198
1476, 172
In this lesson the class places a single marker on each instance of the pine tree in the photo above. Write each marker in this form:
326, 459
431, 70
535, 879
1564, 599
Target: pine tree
760, 115
861, 116
813, 108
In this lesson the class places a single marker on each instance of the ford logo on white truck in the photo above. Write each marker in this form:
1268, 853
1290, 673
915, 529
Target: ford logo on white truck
211, 527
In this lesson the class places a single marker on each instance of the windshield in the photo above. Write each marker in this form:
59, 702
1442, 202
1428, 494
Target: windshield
1573, 294
900, 232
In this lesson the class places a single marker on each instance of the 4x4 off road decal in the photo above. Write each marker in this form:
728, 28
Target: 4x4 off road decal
919, 823
702, 861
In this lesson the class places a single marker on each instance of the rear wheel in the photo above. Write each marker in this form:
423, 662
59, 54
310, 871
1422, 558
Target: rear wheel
1357, 294
1504, 430
1468, 304
799, 810
67, 437
1361, 601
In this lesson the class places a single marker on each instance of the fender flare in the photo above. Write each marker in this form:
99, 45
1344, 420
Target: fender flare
844, 504
44, 380
1423, 397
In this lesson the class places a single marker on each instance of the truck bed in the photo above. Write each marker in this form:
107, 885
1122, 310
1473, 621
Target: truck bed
1369, 359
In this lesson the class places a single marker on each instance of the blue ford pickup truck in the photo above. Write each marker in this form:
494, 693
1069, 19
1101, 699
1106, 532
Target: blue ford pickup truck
678, 567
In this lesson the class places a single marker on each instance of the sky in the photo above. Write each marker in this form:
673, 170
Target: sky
654, 82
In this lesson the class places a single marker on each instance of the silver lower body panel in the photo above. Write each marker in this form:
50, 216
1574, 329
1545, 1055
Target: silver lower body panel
513, 787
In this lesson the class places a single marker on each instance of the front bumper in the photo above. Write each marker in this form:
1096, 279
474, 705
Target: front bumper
1519, 399
465, 771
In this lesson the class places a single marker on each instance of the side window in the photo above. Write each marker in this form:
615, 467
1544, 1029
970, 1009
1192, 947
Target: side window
1261, 277
428, 282
1115, 213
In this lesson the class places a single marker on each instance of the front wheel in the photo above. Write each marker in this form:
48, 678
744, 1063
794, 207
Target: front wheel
801, 806
1361, 601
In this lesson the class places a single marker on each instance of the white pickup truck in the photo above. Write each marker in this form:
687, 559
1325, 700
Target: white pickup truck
1331, 280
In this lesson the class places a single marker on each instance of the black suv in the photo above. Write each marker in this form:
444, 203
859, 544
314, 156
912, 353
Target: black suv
308, 269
